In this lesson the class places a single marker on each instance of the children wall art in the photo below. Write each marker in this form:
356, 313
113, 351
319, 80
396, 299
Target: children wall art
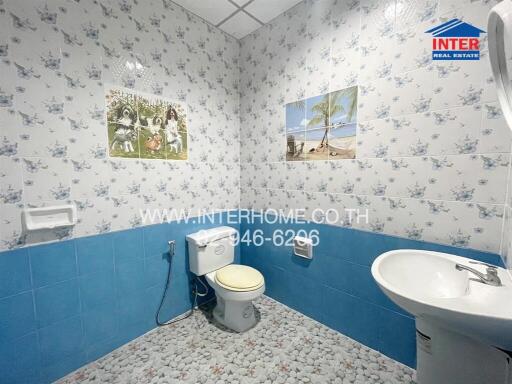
145, 126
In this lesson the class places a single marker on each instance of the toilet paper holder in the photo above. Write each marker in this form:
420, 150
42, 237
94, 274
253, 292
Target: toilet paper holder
303, 247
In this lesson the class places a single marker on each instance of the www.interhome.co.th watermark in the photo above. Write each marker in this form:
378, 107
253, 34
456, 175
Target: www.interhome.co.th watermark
257, 237
344, 217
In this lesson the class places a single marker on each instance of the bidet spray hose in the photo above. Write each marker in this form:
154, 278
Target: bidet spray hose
172, 251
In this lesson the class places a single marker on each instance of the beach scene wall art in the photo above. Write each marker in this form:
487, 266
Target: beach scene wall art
322, 127
145, 126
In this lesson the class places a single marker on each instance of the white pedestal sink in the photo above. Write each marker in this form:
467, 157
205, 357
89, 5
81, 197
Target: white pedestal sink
464, 327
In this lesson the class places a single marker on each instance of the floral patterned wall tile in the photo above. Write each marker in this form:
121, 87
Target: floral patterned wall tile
462, 130
59, 59
432, 151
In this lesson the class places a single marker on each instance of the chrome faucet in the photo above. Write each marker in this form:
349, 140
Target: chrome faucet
489, 278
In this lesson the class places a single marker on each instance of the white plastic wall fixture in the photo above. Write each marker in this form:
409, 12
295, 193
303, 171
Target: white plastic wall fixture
303, 247
49, 217
499, 24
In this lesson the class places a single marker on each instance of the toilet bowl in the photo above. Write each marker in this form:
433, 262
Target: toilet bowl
211, 254
235, 290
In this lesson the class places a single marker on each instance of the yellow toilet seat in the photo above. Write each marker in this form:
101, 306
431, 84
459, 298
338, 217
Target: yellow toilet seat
239, 278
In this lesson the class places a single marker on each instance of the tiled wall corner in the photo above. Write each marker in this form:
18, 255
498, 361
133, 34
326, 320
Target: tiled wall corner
432, 145
57, 59
336, 287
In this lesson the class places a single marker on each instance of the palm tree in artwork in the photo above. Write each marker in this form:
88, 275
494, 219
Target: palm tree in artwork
329, 106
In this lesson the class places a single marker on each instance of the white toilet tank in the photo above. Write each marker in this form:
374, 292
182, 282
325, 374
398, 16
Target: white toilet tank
211, 249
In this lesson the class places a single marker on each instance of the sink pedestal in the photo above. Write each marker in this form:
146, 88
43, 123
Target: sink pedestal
464, 324
446, 357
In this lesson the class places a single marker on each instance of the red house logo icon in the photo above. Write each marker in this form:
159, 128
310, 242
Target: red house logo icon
455, 40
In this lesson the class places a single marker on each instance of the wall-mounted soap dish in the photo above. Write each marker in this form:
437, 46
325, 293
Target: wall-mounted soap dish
49, 217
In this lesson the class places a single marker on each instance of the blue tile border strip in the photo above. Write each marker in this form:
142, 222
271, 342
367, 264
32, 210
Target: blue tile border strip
68, 303
336, 287
65, 304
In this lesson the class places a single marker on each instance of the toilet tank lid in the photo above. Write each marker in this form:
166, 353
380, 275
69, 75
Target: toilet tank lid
203, 237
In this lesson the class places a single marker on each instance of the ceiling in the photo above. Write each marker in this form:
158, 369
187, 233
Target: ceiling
237, 17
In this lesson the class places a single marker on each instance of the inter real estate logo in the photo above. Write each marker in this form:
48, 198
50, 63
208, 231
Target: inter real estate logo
455, 40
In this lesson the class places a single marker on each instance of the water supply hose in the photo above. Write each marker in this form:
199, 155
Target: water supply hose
196, 293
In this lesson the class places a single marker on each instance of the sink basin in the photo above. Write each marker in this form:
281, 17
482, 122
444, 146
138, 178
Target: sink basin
463, 326
421, 275
427, 285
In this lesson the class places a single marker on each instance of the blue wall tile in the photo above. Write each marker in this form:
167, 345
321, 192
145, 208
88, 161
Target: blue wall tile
102, 348
335, 272
156, 270
365, 287
28, 360
363, 326
57, 302
306, 300
397, 337
95, 254
61, 340
134, 308
155, 239
14, 272
338, 309
178, 299
351, 316
53, 263
129, 331
274, 286
17, 316
122, 277
97, 289
20, 360
90, 295
130, 276
128, 245
61, 367
100, 324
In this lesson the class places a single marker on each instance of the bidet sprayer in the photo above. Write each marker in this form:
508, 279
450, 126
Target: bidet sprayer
172, 247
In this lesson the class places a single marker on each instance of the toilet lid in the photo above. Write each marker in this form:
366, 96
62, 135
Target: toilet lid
239, 278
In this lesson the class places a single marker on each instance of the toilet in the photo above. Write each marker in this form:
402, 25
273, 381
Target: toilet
211, 254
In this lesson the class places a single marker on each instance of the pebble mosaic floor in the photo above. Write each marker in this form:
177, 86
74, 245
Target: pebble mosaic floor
284, 347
